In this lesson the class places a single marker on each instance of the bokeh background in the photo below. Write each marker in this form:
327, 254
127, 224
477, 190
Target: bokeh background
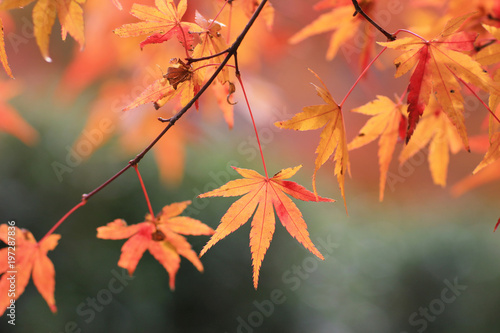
421, 261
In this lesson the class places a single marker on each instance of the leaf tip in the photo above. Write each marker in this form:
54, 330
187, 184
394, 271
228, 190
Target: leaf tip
47, 59
204, 250
496, 226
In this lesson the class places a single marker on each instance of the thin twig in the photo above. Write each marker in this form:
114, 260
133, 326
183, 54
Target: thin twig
379, 28
164, 120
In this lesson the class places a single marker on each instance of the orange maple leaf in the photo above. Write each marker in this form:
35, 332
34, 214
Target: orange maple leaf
25, 257
211, 42
70, 16
3, 54
439, 66
386, 123
159, 235
266, 193
163, 22
333, 137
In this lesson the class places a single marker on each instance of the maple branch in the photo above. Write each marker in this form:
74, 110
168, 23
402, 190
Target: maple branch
62, 219
493, 18
217, 15
379, 28
478, 48
411, 33
145, 192
191, 60
231, 51
361, 76
238, 76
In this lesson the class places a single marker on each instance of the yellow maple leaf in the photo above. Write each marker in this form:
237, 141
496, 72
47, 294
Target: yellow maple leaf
437, 131
488, 56
492, 154
343, 26
3, 54
333, 140
386, 121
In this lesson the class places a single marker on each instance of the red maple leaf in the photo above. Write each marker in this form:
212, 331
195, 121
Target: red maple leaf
162, 22
440, 65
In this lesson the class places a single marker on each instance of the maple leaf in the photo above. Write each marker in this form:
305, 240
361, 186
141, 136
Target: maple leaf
494, 105
439, 65
343, 25
267, 195
163, 22
3, 54
134, 130
161, 236
30, 260
222, 94
267, 14
437, 130
486, 172
212, 42
386, 123
492, 154
70, 16
488, 56
487, 175
10, 121
333, 140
